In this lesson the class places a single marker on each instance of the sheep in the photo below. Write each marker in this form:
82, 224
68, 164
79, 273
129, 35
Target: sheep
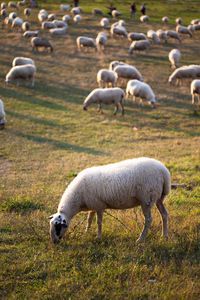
2, 115
174, 56
173, 34
51, 17
21, 3
196, 21
97, 11
105, 96
17, 23
191, 71
42, 15
135, 36
3, 5
26, 26
118, 30
127, 184
165, 20
151, 34
12, 15
195, 89
77, 19
60, 24
196, 26
101, 40
12, 4
127, 72
183, 30
142, 90
58, 31
65, 7
26, 72
83, 41
37, 42
115, 63
4, 13
116, 13
18, 61
144, 19
162, 35
27, 12
48, 25
29, 34
191, 28
66, 18
139, 46
121, 23
8, 21
105, 77
104, 22
76, 11
179, 21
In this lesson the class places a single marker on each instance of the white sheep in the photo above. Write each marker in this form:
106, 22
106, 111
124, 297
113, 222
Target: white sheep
76, 11
27, 12
106, 96
144, 19
2, 116
65, 7
48, 25
101, 40
142, 90
191, 71
128, 72
139, 46
136, 36
115, 63
116, 13
12, 15
121, 23
21, 3
191, 28
195, 21
17, 23
127, 184
183, 30
178, 21
196, 26
83, 41
174, 57
3, 5
173, 34
162, 35
37, 42
26, 26
26, 72
195, 90
42, 15
58, 31
51, 17
29, 33
104, 22
104, 77
12, 4
118, 30
8, 21
152, 35
77, 19
18, 61
3, 13
66, 18
60, 24
165, 20
97, 11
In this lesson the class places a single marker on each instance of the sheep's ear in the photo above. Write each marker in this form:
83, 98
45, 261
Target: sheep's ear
51, 217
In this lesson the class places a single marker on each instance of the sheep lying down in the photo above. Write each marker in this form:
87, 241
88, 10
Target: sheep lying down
126, 184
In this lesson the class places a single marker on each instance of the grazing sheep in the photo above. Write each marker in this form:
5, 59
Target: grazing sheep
183, 30
162, 35
27, 12
173, 34
195, 90
118, 30
66, 18
144, 19
51, 17
179, 21
105, 96
97, 11
8, 21
142, 90
165, 20
42, 15
12, 15
12, 4
3, 5
48, 25
21, 3
191, 28
19, 61
196, 21
4, 13
26, 26
104, 77
128, 72
115, 63
37, 42
83, 41
135, 182
76, 11
101, 40
65, 7
59, 24
58, 31
116, 13
26, 72
152, 35
77, 19
104, 22
139, 46
135, 36
17, 23
121, 23
29, 34
191, 71
2, 116
174, 56
196, 26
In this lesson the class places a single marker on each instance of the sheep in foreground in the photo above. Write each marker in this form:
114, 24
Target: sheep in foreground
2, 116
19, 61
183, 30
195, 90
83, 41
174, 56
29, 33
139, 46
101, 40
173, 34
106, 96
128, 72
142, 90
104, 77
191, 28
127, 184
26, 72
152, 35
97, 11
191, 71
162, 35
104, 22
17, 23
37, 42
144, 19
135, 36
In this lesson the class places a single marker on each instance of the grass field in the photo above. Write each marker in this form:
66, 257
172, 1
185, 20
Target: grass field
48, 139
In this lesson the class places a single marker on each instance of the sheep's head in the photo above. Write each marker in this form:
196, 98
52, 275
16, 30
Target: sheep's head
58, 226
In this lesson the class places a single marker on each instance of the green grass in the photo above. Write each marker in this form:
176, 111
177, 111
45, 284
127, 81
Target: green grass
48, 139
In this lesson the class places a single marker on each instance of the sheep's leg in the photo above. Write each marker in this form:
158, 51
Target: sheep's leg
99, 223
90, 218
192, 98
148, 219
100, 108
122, 107
116, 109
141, 102
164, 215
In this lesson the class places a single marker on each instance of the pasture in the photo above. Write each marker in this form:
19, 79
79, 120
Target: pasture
48, 139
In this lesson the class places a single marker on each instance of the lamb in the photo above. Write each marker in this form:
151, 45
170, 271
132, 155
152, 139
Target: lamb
26, 26
118, 30
37, 42
183, 30
105, 96
195, 90
178, 21
128, 72
135, 36
162, 35
17, 23
105, 77
165, 20
2, 116
191, 71
27, 12
144, 19
104, 22
142, 90
97, 11
195, 21
18, 61
151, 34
58, 31
139, 46
127, 184
29, 33
26, 72
65, 7
77, 19
116, 13
174, 56
83, 41
101, 40
173, 34
66, 18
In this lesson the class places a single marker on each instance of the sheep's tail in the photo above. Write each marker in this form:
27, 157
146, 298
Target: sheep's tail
167, 182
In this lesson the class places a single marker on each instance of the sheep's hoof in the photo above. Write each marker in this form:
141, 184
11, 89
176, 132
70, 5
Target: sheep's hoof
139, 241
